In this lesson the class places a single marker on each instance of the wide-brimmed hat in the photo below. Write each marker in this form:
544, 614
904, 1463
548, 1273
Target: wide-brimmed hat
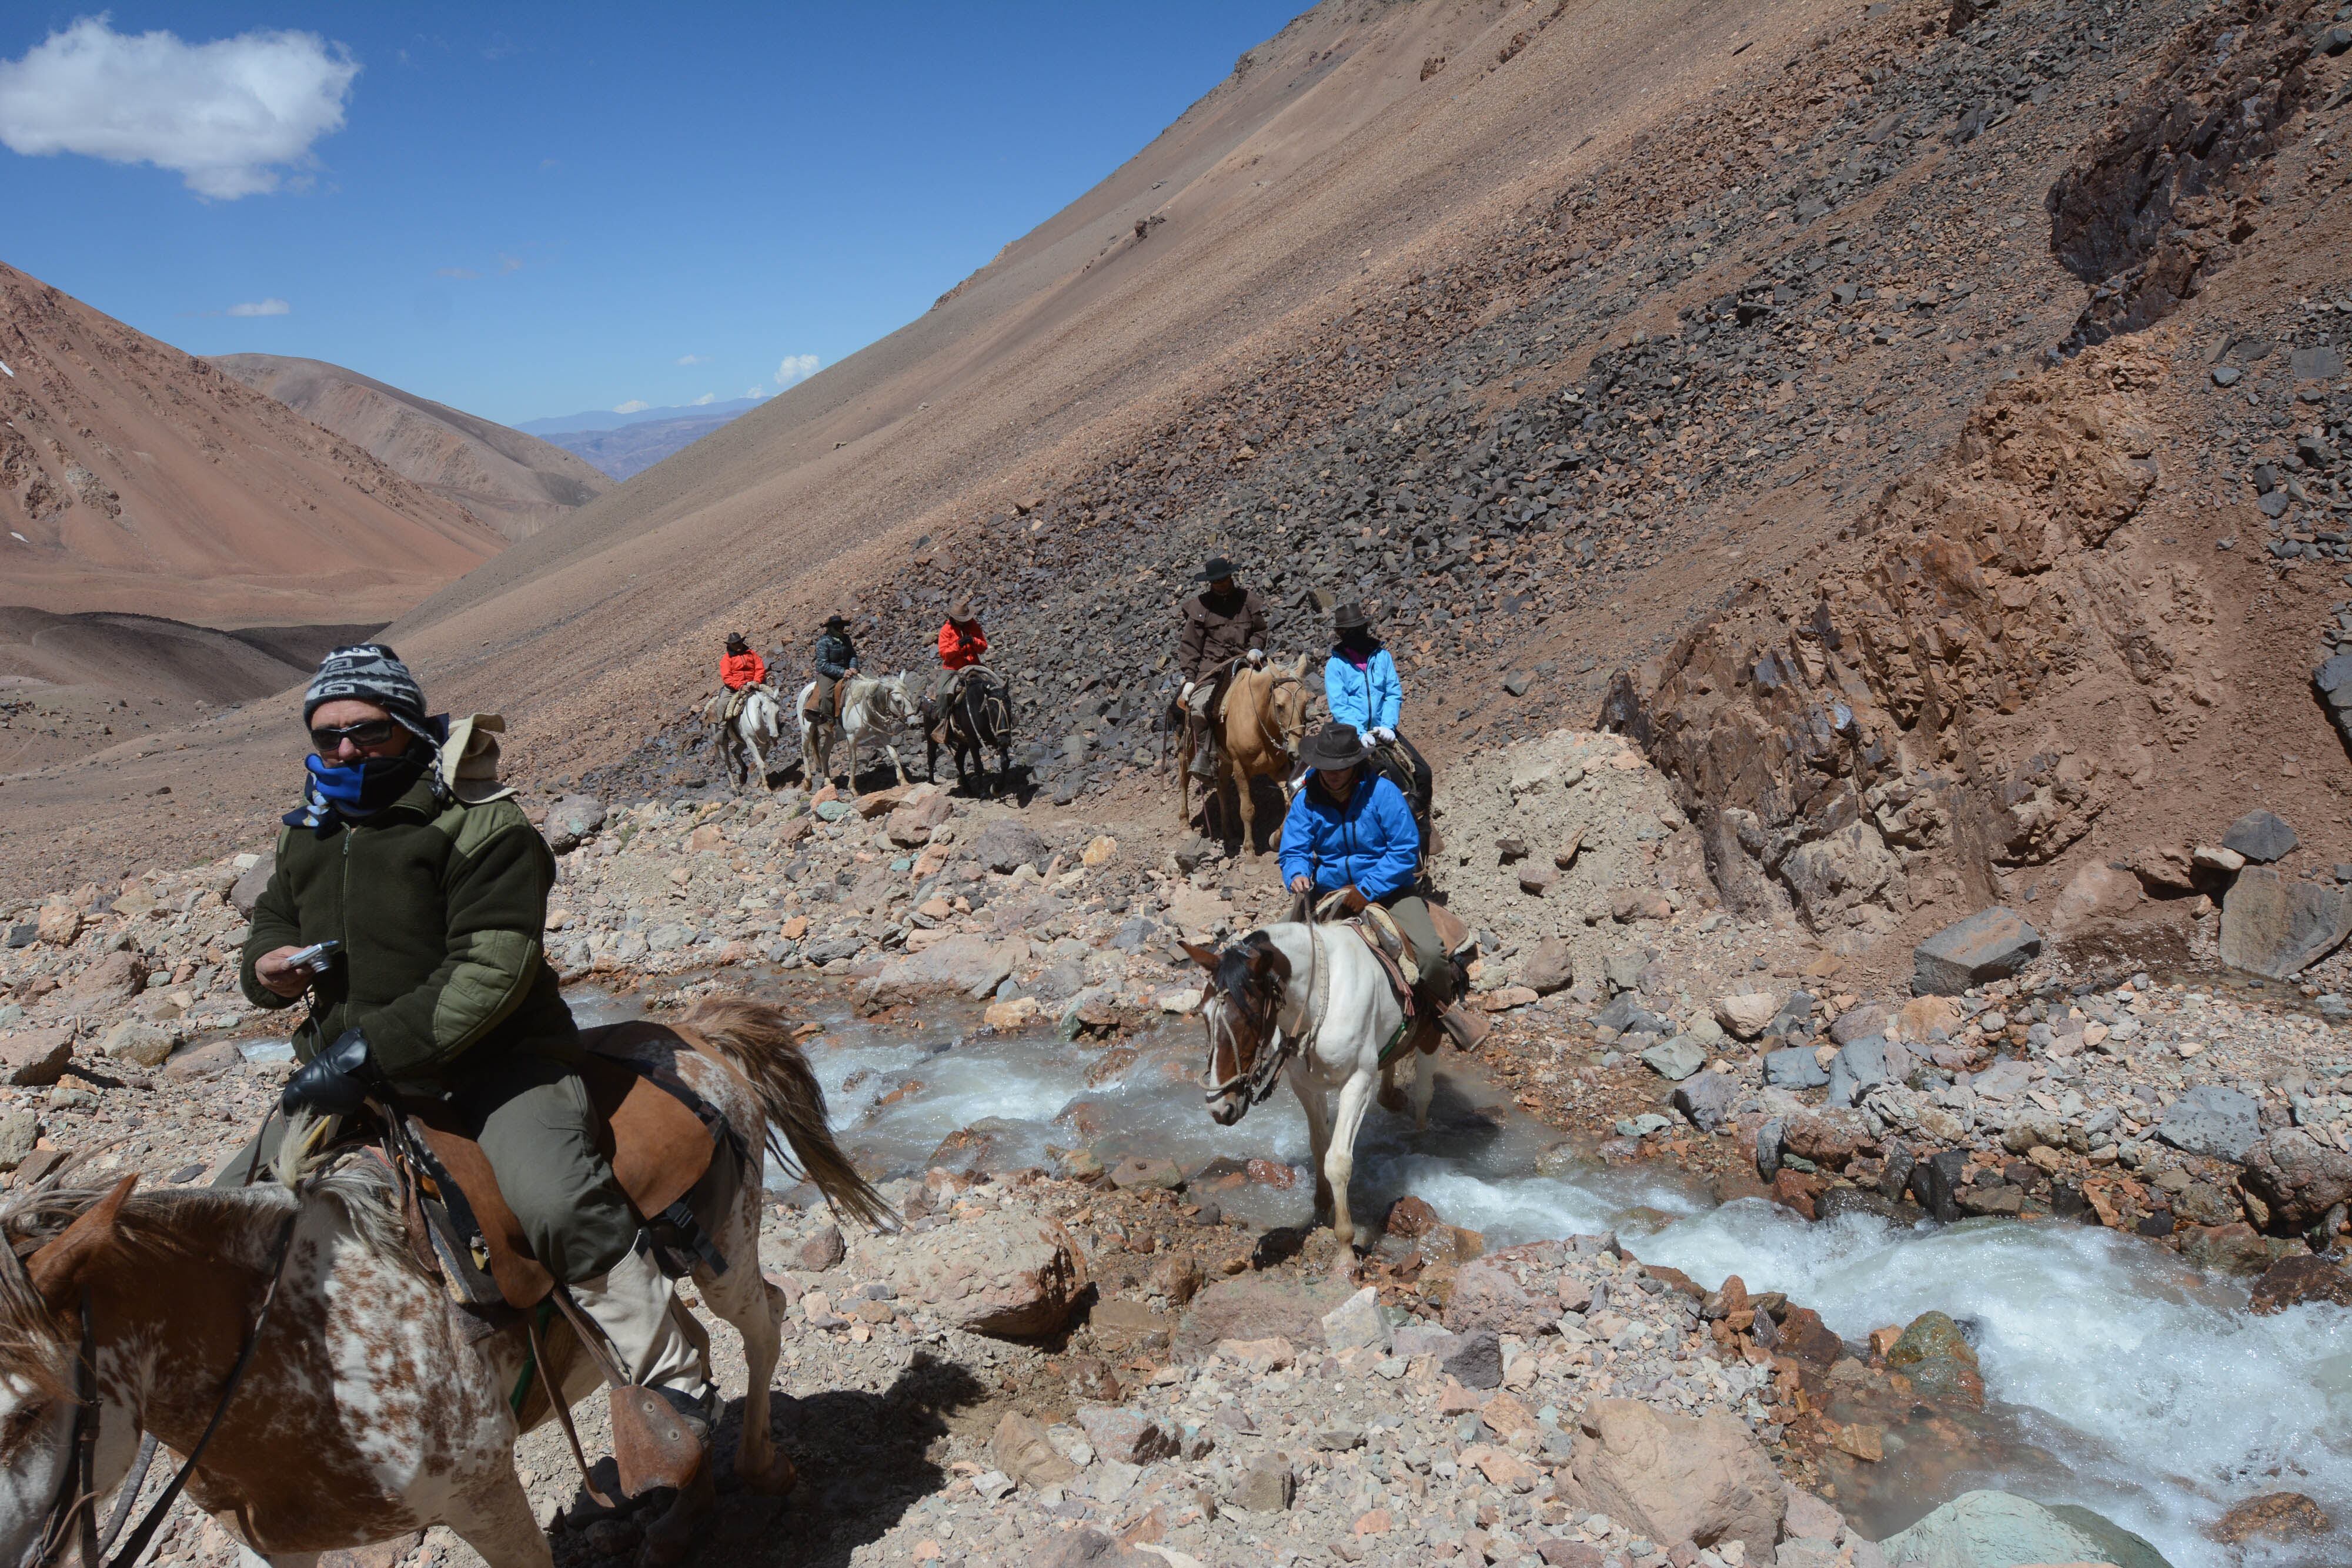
1333, 746
833, 621
1349, 618
1218, 567
960, 610
735, 639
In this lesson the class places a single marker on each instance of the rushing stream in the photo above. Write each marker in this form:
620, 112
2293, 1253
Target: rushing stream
2131, 1383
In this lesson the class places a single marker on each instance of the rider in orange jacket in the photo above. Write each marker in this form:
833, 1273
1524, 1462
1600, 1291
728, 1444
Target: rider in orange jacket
962, 646
741, 667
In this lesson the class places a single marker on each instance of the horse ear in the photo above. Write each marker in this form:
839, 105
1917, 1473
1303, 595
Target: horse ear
57, 1268
1201, 955
1298, 671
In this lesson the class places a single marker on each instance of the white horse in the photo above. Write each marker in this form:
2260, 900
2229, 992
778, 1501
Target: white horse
756, 732
1311, 1004
883, 706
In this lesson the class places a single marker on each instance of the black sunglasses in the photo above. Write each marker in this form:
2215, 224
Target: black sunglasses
365, 734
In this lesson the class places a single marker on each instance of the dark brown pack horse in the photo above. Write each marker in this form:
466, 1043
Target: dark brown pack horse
364, 1410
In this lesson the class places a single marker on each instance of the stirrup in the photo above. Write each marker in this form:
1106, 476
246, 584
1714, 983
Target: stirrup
1467, 1029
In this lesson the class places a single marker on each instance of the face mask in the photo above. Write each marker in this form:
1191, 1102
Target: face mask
365, 787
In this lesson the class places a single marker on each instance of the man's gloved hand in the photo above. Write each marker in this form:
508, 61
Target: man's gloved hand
1257, 656
1383, 733
335, 1082
1184, 697
1352, 899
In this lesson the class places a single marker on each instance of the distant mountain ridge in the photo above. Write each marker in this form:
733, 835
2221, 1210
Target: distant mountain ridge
631, 449
612, 418
515, 482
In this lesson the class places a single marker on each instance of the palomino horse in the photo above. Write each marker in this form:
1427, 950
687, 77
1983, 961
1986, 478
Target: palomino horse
365, 1409
747, 743
879, 706
978, 717
1311, 1003
1264, 714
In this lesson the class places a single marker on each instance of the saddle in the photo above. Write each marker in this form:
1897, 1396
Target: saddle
810, 710
658, 1134
1404, 967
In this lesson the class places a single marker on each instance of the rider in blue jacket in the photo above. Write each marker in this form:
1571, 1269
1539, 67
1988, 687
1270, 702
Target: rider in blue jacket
1351, 832
1361, 685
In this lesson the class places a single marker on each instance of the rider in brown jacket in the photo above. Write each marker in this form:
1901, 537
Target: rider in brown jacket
1222, 624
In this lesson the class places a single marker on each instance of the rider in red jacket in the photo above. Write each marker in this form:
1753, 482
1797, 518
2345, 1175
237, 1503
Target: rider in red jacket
741, 667
962, 646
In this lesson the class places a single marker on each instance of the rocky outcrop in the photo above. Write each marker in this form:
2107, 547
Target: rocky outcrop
2001, 1529
1703, 1481
1902, 725
1007, 1274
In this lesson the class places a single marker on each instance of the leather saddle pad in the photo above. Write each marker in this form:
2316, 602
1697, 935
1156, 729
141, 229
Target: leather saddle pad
1377, 937
659, 1148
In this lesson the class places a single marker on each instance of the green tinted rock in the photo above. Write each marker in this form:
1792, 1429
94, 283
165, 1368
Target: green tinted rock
1938, 1360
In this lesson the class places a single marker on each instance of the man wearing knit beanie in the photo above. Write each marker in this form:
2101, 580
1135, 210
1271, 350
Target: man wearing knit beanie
438, 904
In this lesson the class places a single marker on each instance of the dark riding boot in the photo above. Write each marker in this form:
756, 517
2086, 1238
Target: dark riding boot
1465, 1027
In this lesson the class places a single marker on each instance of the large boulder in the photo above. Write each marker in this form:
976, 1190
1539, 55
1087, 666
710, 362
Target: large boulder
114, 977
1514, 1291
2261, 836
2294, 1281
1675, 1477
2297, 1178
1938, 1360
1990, 945
35, 1058
2001, 1529
1002, 1273
572, 821
1550, 967
912, 822
1005, 845
2278, 926
252, 883
970, 964
1747, 1015
2212, 1120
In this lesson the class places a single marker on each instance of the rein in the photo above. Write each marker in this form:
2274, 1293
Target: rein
1266, 1068
75, 1512
1267, 735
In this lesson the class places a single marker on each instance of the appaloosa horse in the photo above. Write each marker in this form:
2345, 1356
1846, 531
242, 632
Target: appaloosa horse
1264, 716
884, 707
1311, 1003
366, 1409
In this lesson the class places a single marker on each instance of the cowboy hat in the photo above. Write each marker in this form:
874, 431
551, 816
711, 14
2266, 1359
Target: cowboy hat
833, 621
1218, 567
735, 639
960, 610
1334, 745
1349, 618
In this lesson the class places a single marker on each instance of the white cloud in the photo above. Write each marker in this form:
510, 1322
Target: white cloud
224, 115
796, 368
694, 359
634, 406
262, 308
705, 398
754, 391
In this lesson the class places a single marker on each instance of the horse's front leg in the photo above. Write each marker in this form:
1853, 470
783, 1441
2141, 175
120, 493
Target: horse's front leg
759, 764
1247, 805
495, 1519
1319, 1140
1424, 1088
1340, 1158
897, 767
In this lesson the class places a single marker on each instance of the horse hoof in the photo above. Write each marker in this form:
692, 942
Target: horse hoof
671, 1538
776, 1479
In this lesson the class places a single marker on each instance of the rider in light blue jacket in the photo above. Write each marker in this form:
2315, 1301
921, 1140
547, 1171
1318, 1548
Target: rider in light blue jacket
1359, 678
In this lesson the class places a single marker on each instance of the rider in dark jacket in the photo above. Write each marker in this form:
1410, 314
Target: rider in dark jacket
836, 661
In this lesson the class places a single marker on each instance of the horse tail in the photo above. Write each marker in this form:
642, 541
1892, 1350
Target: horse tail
756, 1042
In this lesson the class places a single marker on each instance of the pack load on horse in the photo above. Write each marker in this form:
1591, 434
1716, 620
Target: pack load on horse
391, 1324
969, 708
1362, 688
747, 715
1338, 1008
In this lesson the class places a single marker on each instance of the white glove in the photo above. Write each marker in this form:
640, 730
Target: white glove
1255, 656
1184, 697
1383, 733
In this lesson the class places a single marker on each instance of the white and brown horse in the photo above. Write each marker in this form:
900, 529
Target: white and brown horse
1259, 724
753, 737
883, 707
366, 1411
1311, 1004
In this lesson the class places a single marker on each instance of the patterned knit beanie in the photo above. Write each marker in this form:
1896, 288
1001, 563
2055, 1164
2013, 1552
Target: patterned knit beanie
368, 673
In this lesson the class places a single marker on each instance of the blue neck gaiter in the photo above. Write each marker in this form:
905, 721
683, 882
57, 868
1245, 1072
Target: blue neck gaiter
363, 789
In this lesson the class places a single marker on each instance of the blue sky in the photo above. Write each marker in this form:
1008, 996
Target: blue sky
529, 211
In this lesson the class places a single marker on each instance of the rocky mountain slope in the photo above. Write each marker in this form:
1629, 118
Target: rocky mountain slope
517, 484
135, 478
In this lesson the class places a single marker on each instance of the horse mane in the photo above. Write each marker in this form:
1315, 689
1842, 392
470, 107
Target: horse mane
164, 1222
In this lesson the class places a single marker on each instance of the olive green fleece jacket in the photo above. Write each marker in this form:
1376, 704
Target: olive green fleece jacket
440, 908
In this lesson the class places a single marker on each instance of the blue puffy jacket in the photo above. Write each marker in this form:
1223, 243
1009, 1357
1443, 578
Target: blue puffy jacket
1368, 698
1370, 841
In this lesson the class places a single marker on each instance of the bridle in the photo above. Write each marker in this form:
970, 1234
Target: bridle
1276, 1048
1268, 736
73, 1515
